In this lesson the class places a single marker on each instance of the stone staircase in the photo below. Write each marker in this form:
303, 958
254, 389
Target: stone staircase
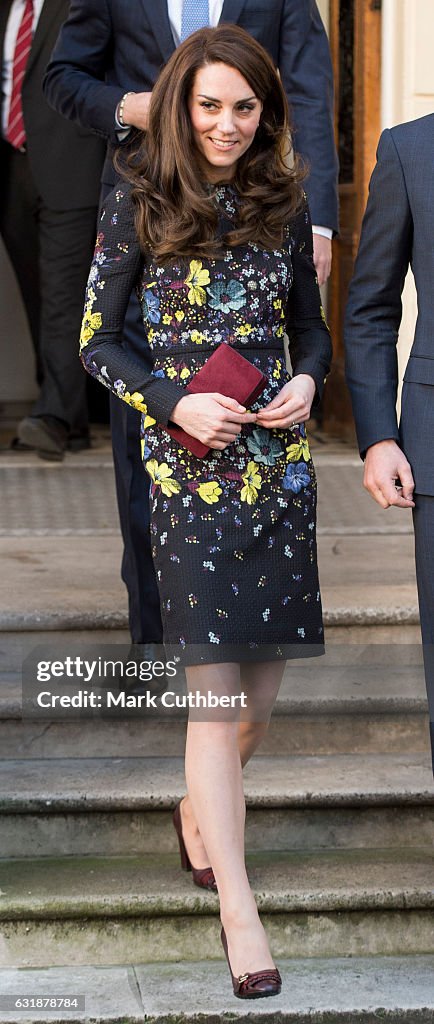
339, 837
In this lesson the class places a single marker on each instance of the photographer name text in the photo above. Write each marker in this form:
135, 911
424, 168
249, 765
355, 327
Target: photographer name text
168, 699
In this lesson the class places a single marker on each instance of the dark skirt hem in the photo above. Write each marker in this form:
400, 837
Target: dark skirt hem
211, 654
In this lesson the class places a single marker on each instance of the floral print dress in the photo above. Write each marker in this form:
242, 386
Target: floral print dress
233, 533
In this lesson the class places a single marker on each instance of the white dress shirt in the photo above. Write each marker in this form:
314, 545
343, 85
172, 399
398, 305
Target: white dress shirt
14, 22
174, 8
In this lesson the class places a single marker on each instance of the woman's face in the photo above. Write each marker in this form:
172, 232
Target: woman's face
224, 113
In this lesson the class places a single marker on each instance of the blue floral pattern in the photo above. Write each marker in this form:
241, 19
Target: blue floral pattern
296, 477
226, 295
264, 447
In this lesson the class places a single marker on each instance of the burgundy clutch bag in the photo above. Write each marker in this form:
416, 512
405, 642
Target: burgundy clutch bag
228, 373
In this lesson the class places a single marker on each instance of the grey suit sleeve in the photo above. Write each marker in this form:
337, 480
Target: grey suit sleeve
307, 77
374, 308
74, 82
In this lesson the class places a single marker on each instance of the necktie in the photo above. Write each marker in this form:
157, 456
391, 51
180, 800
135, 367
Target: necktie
195, 14
16, 133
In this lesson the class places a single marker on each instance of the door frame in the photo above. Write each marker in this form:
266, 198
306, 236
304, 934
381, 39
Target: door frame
359, 72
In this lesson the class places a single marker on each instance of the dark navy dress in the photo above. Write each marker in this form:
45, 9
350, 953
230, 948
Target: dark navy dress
233, 534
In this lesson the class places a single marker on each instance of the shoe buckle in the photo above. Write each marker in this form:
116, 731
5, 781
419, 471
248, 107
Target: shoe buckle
243, 977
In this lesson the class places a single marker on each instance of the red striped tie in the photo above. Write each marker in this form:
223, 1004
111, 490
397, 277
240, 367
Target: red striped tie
16, 132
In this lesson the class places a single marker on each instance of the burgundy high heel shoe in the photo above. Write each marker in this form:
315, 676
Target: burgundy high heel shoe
203, 877
256, 985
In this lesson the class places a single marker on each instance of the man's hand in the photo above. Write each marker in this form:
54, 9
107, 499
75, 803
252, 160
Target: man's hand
322, 257
136, 110
213, 419
291, 405
384, 463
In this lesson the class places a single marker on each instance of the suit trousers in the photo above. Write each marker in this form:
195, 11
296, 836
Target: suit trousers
423, 520
50, 251
132, 490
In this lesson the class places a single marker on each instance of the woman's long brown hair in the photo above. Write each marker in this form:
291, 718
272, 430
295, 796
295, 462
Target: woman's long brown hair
175, 211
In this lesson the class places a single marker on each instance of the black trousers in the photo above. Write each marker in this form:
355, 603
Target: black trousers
423, 520
50, 251
132, 489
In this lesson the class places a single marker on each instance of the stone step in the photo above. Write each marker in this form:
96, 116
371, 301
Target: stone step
346, 628
365, 699
108, 910
399, 613
17, 644
382, 677
47, 583
288, 734
123, 805
40, 500
346, 990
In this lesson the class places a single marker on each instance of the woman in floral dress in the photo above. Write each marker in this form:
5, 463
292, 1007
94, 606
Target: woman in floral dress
212, 227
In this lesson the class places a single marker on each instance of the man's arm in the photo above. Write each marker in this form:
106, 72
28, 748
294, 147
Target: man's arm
307, 77
74, 82
372, 321
374, 308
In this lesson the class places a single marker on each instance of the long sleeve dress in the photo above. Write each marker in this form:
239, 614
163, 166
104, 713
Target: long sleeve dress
233, 533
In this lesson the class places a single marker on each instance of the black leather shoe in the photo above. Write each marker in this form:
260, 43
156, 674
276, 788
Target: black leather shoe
46, 434
17, 446
78, 442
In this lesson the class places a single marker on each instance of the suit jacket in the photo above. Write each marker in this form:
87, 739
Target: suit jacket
106, 49
65, 160
397, 231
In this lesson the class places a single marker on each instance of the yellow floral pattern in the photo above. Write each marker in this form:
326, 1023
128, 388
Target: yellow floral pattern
198, 337
91, 322
162, 477
252, 481
299, 450
209, 491
196, 279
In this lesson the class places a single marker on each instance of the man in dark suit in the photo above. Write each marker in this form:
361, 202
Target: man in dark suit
398, 231
101, 75
49, 186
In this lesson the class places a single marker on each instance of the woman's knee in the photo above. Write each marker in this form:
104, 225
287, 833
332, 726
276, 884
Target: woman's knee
254, 728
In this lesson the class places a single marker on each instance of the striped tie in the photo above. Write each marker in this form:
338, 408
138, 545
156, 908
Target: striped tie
195, 14
16, 133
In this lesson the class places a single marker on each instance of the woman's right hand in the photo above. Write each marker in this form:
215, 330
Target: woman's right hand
213, 419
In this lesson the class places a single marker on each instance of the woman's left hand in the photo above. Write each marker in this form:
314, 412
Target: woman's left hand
291, 405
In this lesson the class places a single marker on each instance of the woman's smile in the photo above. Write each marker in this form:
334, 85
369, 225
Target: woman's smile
223, 143
224, 116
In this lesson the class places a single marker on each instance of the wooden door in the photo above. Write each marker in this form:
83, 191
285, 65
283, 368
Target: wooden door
355, 39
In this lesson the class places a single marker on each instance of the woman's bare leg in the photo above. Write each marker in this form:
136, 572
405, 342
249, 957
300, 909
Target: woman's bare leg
215, 787
260, 682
